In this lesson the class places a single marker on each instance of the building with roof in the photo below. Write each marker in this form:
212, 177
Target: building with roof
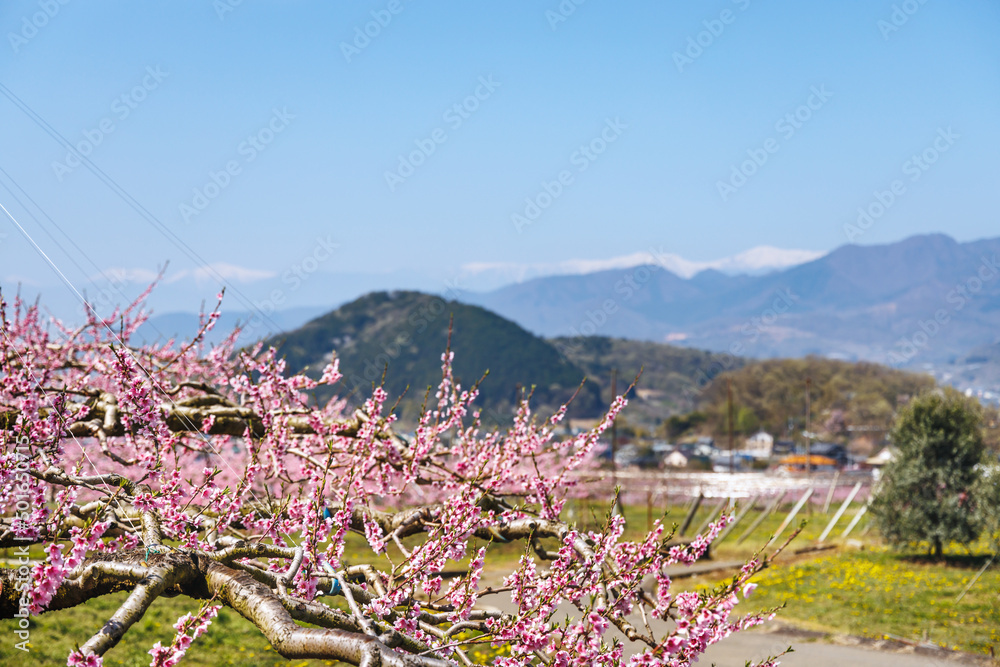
760, 445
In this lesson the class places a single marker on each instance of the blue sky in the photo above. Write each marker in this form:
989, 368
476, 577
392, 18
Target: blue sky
308, 213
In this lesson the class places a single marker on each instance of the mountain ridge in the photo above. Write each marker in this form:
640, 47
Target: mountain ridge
397, 339
856, 302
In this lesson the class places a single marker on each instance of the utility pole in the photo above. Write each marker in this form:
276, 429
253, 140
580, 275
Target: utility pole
732, 455
614, 442
808, 432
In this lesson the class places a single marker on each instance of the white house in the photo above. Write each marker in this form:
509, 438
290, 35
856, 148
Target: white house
887, 455
760, 445
675, 459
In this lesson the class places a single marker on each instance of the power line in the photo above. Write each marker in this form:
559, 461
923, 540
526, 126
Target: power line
69, 255
126, 350
132, 202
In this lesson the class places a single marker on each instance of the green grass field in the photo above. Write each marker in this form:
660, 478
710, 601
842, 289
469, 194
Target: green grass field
870, 592
230, 640
875, 593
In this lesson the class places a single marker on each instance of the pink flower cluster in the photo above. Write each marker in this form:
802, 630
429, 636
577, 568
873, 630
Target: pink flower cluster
77, 659
304, 476
48, 576
188, 629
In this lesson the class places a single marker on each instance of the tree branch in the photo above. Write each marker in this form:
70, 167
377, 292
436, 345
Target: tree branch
259, 605
172, 570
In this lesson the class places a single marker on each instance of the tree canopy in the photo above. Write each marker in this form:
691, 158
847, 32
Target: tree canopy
176, 470
857, 393
933, 492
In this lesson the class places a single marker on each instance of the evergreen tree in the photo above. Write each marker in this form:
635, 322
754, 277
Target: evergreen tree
989, 498
932, 493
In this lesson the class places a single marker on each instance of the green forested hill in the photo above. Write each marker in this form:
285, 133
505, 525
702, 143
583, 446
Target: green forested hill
769, 393
672, 377
405, 334
766, 394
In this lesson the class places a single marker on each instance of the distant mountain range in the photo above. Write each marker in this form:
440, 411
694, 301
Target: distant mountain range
396, 339
755, 261
927, 303
927, 299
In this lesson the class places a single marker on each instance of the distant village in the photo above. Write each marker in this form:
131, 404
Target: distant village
759, 452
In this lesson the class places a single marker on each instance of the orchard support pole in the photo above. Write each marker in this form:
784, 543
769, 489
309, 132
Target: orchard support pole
739, 517
833, 489
713, 514
691, 512
763, 515
840, 512
975, 579
855, 520
791, 515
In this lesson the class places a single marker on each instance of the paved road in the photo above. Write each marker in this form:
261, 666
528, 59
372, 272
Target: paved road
759, 644
736, 650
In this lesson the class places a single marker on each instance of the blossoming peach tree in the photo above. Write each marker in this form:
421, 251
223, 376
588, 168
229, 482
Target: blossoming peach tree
179, 470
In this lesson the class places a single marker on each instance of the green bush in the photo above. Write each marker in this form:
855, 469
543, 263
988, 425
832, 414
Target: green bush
933, 493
